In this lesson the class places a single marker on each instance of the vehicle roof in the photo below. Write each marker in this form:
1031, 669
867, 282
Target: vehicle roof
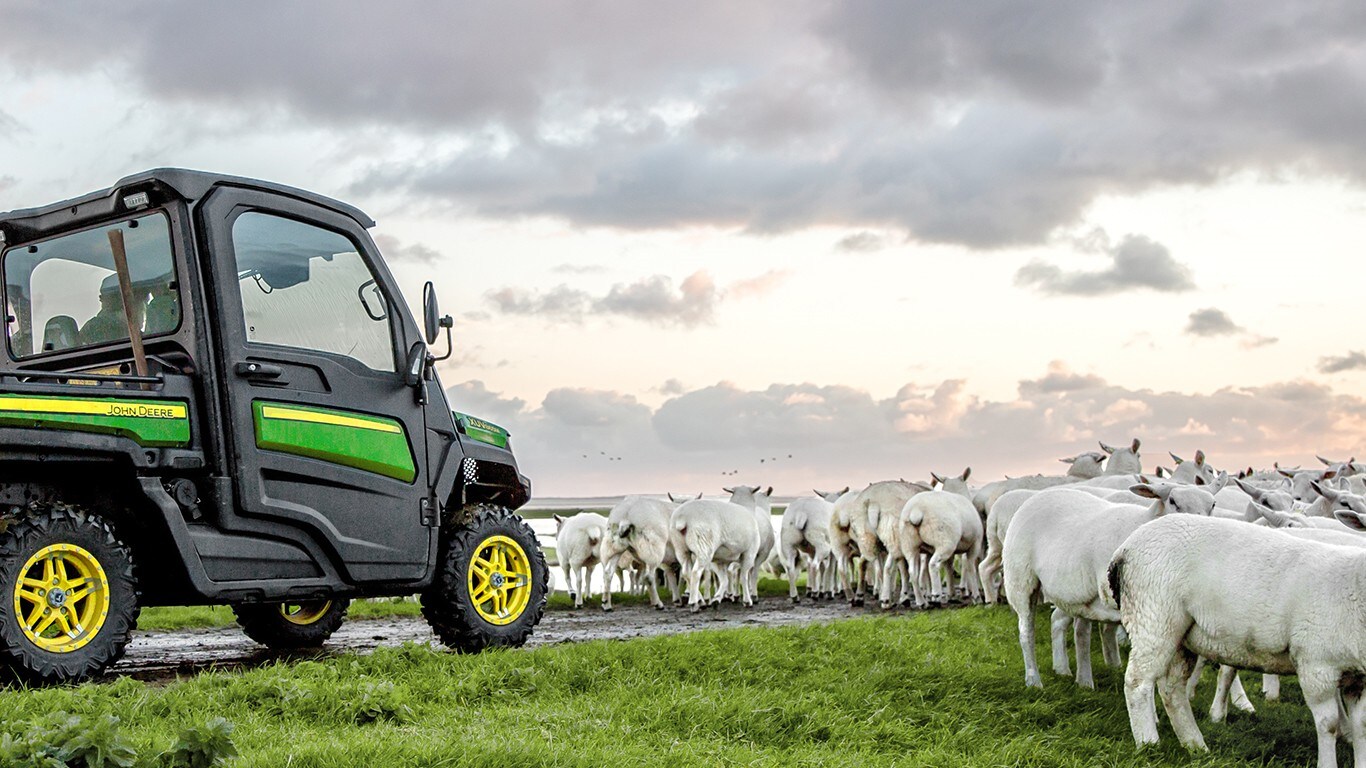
187, 184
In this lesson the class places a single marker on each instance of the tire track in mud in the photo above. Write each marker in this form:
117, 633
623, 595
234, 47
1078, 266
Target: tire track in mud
165, 655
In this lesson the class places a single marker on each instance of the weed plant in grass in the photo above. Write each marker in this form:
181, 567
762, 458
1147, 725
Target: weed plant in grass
943, 688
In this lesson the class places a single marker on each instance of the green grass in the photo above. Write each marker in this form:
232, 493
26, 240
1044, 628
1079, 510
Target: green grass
933, 689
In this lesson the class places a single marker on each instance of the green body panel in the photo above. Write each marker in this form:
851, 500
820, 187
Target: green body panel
150, 423
369, 443
483, 431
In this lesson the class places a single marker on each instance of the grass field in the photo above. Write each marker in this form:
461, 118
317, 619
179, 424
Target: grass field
935, 689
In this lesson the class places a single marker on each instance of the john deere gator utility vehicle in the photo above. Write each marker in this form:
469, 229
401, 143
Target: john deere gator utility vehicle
213, 393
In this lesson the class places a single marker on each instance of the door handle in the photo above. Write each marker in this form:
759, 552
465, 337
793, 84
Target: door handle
259, 371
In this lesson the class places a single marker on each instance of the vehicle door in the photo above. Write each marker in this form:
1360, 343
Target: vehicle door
326, 436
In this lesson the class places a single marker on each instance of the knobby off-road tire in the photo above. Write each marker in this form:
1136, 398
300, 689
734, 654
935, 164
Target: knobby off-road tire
495, 556
68, 595
290, 625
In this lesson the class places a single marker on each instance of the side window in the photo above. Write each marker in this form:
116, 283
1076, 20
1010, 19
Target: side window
307, 287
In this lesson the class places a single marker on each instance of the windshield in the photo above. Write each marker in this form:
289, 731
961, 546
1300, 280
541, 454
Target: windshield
64, 293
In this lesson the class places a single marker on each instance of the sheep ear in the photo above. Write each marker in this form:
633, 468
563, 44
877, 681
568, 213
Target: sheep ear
1179, 461
1199, 458
1134, 447
1220, 483
559, 522
698, 496
728, 490
769, 492
1072, 460
671, 498
1250, 490
1330, 474
1323, 461
846, 490
1144, 490
1354, 520
818, 493
935, 479
966, 473
1290, 475
1160, 470
1106, 448
1324, 490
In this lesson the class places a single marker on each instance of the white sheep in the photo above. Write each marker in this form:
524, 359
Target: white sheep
709, 536
847, 530
998, 522
638, 527
880, 506
1123, 461
761, 505
1248, 597
1187, 471
1084, 466
1059, 546
577, 541
944, 523
805, 529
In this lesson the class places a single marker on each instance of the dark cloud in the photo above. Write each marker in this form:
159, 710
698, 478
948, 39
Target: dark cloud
861, 242
845, 435
395, 250
1213, 322
1353, 360
988, 126
653, 299
1137, 262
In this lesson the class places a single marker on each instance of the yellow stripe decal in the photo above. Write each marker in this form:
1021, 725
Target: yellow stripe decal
336, 420
126, 409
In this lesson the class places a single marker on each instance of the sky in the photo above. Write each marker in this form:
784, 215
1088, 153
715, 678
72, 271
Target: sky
799, 244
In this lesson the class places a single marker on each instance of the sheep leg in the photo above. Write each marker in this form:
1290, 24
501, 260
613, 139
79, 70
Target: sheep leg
1320, 688
654, 589
748, 565
1081, 634
860, 576
936, 576
1148, 658
1356, 719
1109, 645
1218, 709
986, 575
1060, 622
1239, 697
889, 571
1025, 615
789, 565
1193, 684
972, 580
695, 575
568, 580
671, 583
1172, 688
607, 566
1271, 687
907, 571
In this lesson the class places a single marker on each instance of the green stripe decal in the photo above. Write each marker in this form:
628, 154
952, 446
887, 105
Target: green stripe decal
483, 431
150, 423
368, 443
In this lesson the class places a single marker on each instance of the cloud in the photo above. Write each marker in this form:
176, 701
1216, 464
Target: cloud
1351, 361
1212, 322
653, 299
861, 242
839, 435
1137, 262
990, 128
578, 269
396, 250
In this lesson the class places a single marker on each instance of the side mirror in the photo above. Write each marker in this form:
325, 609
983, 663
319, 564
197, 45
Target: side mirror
415, 368
431, 315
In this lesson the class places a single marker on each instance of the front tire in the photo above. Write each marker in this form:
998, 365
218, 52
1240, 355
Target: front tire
491, 582
70, 595
291, 625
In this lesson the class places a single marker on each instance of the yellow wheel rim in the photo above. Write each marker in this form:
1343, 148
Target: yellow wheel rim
61, 598
304, 614
499, 580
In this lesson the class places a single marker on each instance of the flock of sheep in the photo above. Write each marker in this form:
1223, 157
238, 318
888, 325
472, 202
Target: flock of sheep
1264, 573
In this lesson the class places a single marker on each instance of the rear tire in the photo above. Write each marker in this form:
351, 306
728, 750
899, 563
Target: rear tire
495, 556
291, 625
68, 595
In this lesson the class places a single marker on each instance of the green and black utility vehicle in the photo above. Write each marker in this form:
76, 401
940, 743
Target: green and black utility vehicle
213, 393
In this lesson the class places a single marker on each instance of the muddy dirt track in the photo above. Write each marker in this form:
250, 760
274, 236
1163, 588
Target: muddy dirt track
165, 655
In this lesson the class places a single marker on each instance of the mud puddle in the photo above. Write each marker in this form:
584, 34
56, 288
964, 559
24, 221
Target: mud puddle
158, 656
